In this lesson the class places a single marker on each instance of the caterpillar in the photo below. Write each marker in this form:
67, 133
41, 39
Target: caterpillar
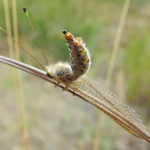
80, 62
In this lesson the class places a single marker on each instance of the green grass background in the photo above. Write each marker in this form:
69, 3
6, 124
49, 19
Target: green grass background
56, 119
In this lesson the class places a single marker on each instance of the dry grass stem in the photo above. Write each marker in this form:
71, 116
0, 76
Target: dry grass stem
117, 42
111, 65
17, 81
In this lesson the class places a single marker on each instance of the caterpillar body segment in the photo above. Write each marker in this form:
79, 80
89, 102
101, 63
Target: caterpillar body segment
80, 57
61, 72
80, 62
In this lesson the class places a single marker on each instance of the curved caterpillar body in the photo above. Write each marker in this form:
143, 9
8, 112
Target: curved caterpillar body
80, 62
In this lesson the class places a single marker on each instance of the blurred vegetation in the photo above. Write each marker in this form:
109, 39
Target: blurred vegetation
96, 22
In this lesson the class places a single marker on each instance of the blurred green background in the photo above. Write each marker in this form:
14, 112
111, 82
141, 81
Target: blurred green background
56, 119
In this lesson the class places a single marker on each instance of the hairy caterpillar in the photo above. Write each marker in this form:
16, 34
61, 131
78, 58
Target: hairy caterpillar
80, 62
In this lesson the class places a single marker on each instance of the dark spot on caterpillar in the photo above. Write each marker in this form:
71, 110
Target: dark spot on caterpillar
73, 67
67, 70
79, 55
71, 39
81, 64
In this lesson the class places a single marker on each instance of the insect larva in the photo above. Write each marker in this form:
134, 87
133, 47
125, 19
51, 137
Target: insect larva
80, 62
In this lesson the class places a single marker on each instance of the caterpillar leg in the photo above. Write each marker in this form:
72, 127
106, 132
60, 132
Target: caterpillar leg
57, 84
64, 89
74, 93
